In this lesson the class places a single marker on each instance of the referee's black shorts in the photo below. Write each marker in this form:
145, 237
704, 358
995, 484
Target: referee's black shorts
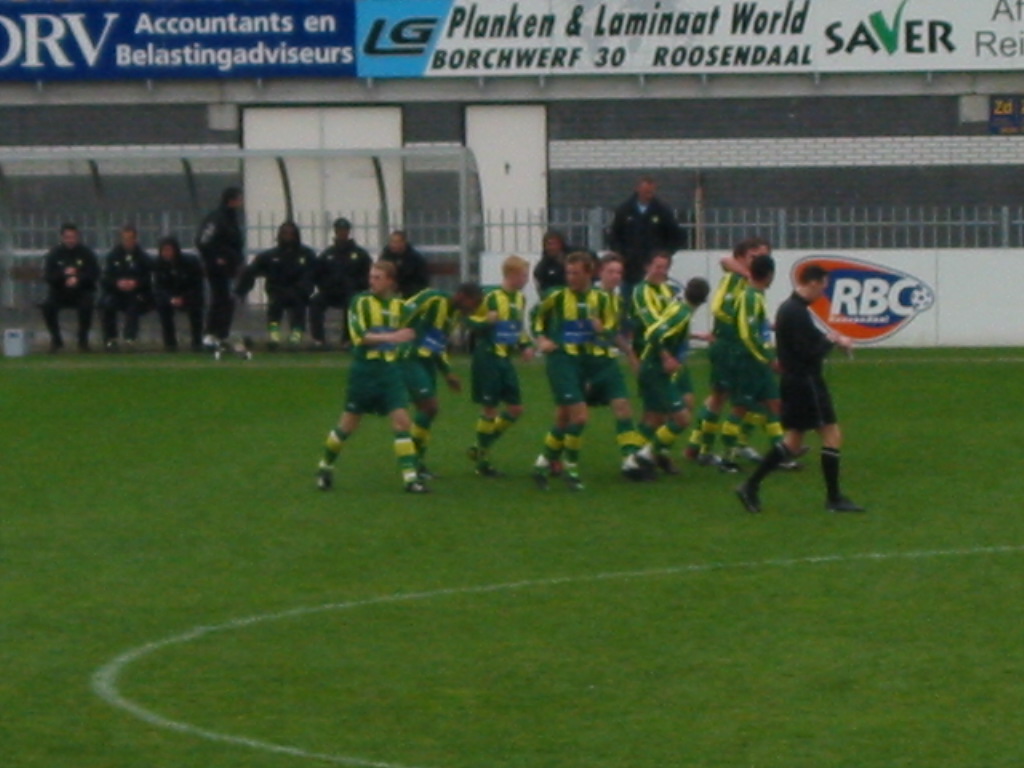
806, 403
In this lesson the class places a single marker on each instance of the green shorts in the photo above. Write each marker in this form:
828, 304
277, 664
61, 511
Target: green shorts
722, 356
375, 386
565, 377
755, 382
604, 381
420, 374
494, 380
662, 393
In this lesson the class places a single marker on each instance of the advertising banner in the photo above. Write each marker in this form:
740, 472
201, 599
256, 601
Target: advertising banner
494, 38
117, 40
203, 39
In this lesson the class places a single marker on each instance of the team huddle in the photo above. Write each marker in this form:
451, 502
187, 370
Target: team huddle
583, 329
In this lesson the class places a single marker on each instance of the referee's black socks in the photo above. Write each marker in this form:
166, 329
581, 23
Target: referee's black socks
778, 454
830, 470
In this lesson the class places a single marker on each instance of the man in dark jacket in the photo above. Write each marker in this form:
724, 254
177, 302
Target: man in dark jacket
342, 271
643, 226
178, 287
127, 288
550, 270
287, 271
413, 272
806, 400
221, 248
71, 271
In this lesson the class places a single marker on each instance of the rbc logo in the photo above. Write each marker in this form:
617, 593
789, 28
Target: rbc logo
867, 302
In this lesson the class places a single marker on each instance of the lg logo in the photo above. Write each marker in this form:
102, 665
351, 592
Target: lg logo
408, 37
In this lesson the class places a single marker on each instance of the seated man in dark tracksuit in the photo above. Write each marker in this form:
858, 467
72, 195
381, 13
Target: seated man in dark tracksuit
127, 288
178, 287
342, 271
287, 271
71, 272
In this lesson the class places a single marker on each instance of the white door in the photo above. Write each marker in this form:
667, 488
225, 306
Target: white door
321, 189
511, 148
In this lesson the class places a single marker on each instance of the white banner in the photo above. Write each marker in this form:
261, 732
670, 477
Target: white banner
884, 298
459, 38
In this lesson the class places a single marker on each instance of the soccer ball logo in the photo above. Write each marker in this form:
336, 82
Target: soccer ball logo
921, 298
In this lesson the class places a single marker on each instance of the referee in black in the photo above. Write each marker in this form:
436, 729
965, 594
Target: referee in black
806, 402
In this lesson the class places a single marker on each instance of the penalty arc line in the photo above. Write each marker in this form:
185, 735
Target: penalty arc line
105, 680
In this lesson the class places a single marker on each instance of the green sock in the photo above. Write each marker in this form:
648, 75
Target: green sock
627, 436
405, 452
335, 440
573, 443
554, 443
730, 436
421, 432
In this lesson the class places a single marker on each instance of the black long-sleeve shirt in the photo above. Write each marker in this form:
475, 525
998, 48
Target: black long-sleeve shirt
180, 277
343, 269
220, 243
284, 269
122, 264
801, 345
637, 234
413, 272
80, 257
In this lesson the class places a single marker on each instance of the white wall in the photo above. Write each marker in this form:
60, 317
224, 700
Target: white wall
335, 187
510, 143
975, 290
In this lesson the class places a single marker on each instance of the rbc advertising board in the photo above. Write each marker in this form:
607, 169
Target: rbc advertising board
867, 301
202, 39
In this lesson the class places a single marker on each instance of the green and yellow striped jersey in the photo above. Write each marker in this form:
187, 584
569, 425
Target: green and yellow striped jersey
754, 326
725, 305
649, 302
671, 332
429, 313
367, 314
566, 317
508, 334
610, 313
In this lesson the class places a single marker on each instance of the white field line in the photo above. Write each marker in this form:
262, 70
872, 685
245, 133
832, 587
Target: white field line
105, 679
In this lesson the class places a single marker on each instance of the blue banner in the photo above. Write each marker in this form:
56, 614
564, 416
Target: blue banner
47, 41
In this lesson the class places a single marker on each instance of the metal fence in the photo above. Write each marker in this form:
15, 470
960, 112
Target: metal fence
25, 237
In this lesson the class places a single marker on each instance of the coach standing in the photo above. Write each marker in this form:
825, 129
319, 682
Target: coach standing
412, 270
221, 248
806, 402
643, 226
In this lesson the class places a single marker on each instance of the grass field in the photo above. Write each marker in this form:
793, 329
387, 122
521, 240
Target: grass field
175, 592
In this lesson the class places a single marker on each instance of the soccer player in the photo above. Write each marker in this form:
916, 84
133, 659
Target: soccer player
605, 383
754, 366
665, 385
724, 348
650, 299
500, 331
377, 325
431, 315
565, 327
806, 402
